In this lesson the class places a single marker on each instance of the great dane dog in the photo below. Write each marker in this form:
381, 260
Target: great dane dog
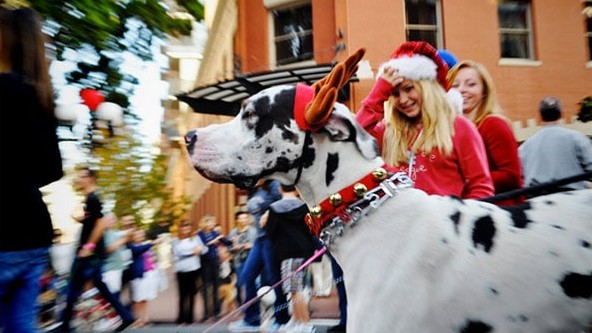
412, 262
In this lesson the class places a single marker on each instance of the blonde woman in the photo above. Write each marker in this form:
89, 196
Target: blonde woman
419, 131
481, 106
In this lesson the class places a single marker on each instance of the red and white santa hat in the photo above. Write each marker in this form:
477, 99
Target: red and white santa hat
418, 61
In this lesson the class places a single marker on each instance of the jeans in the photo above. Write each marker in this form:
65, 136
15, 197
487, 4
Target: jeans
340, 286
20, 274
261, 259
83, 270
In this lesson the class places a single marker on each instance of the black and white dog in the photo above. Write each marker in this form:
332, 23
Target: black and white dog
413, 262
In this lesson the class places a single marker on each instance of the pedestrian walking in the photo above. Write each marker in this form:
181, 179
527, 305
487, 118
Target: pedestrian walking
91, 253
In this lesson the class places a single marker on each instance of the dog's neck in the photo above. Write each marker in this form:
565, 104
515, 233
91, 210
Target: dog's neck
314, 186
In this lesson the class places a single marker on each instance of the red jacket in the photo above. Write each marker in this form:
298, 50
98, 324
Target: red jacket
464, 173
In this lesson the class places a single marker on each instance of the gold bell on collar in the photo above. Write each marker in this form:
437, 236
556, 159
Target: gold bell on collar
335, 199
360, 189
379, 174
316, 211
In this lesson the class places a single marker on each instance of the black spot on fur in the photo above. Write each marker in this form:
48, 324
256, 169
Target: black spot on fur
281, 108
577, 285
585, 244
455, 218
518, 214
476, 327
493, 291
557, 227
444, 240
332, 165
484, 233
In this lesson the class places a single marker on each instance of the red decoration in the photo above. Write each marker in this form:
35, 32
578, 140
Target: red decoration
91, 98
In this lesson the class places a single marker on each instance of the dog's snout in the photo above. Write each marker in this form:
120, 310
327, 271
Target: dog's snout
190, 139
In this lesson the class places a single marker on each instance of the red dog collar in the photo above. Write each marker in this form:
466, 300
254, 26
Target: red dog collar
337, 203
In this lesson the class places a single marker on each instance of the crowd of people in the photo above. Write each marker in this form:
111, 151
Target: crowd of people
466, 150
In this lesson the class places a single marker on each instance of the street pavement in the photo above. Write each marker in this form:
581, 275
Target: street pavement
162, 312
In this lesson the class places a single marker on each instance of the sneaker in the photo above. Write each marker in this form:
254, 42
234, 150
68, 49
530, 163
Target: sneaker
336, 329
274, 328
301, 328
242, 326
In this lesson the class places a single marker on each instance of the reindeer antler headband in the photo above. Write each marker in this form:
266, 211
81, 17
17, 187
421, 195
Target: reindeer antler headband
313, 104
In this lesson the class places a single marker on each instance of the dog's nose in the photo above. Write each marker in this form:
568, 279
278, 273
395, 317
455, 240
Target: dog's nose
190, 140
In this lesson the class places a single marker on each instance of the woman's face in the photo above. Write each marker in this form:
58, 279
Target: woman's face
468, 82
407, 99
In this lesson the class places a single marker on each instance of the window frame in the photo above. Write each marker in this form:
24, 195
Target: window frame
273, 39
528, 31
587, 7
427, 27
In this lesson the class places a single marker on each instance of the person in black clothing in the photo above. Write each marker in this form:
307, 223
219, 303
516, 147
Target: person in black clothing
91, 252
29, 161
293, 243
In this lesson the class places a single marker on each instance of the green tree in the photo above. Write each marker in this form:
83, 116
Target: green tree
133, 180
101, 30
131, 177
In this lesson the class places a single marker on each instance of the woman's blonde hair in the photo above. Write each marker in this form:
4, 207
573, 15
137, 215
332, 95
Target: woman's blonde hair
490, 104
437, 125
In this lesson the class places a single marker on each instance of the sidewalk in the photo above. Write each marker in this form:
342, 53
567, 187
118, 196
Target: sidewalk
163, 312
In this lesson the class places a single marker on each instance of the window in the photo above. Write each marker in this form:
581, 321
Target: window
515, 29
588, 16
293, 34
424, 21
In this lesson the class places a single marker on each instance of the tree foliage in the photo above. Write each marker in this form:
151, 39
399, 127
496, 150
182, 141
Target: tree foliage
102, 30
99, 32
133, 180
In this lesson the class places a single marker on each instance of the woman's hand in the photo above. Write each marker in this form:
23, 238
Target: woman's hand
392, 76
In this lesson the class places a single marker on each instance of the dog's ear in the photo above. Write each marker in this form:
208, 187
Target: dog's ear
342, 126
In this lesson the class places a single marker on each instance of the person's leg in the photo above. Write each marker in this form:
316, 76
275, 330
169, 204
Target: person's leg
97, 278
20, 272
216, 288
78, 276
181, 290
248, 277
273, 269
207, 288
340, 286
239, 296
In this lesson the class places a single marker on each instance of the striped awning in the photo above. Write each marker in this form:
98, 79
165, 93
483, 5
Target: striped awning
224, 98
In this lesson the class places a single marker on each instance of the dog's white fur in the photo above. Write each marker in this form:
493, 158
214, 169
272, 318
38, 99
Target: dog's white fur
420, 263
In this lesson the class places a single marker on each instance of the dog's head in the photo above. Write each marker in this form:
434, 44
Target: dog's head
271, 138
264, 139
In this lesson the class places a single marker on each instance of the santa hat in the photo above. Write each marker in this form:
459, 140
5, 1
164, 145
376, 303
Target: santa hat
418, 61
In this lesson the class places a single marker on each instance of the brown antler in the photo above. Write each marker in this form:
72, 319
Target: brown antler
325, 90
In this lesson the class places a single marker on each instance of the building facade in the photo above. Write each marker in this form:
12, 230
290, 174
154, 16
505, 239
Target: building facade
532, 48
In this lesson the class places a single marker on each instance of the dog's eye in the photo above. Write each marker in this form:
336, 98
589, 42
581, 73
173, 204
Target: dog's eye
250, 118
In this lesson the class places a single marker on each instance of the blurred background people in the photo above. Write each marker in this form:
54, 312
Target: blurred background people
26, 233
91, 252
144, 275
293, 243
211, 265
118, 255
243, 237
555, 152
187, 250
